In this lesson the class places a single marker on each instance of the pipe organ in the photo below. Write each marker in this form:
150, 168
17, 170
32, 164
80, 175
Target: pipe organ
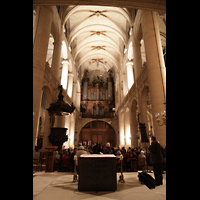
97, 97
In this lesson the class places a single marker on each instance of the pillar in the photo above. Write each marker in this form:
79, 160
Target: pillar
72, 130
127, 131
137, 57
130, 77
68, 125
47, 129
39, 59
78, 100
125, 88
56, 58
121, 129
64, 76
133, 124
74, 93
155, 68
70, 84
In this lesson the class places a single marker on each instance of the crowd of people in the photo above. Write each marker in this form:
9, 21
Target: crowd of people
64, 159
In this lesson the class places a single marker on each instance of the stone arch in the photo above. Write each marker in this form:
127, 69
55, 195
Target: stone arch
105, 138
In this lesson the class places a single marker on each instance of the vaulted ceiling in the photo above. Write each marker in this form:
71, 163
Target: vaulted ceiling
97, 36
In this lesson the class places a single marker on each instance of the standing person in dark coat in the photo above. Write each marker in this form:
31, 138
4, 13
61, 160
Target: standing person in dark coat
156, 158
97, 148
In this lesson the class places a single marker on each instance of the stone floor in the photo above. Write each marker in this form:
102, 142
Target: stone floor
58, 185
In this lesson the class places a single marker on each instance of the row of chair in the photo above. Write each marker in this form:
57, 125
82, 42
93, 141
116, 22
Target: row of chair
40, 164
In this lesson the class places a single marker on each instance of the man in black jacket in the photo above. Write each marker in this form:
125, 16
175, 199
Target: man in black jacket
156, 158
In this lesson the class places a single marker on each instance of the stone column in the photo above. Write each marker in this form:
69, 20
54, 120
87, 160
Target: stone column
74, 93
72, 130
47, 131
130, 77
121, 129
39, 59
64, 76
137, 57
78, 100
156, 71
56, 58
70, 84
125, 86
34, 18
68, 125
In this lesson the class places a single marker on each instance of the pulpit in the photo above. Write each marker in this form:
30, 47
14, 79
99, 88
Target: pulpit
97, 172
50, 158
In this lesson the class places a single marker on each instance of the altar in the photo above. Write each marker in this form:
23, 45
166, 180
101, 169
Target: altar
97, 172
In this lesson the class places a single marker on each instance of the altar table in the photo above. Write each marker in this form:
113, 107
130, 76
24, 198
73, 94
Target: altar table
97, 172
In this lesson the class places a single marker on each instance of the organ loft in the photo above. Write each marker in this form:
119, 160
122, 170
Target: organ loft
97, 97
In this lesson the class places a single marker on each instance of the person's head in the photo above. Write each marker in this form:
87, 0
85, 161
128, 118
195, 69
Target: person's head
153, 138
142, 152
81, 148
108, 144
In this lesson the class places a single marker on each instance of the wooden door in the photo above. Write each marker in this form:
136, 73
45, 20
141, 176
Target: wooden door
97, 138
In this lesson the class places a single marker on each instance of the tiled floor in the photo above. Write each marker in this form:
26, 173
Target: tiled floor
58, 185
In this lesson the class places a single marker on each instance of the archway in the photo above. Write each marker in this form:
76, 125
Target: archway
97, 131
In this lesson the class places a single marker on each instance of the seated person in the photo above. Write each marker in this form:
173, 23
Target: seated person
108, 150
141, 160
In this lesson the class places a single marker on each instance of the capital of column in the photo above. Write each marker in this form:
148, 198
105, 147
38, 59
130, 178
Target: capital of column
70, 74
65, 61
129, 63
